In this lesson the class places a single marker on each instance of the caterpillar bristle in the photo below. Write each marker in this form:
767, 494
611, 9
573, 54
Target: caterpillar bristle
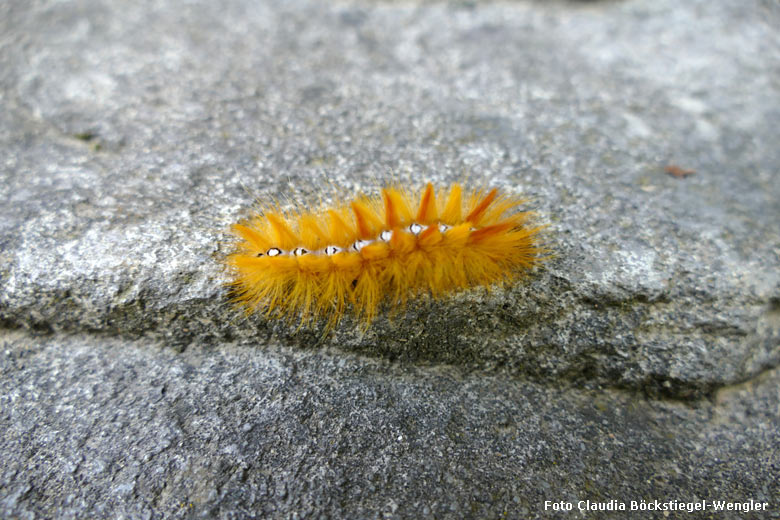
318, 264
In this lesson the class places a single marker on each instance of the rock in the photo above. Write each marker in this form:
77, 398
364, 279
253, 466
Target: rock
122, 428
134, 135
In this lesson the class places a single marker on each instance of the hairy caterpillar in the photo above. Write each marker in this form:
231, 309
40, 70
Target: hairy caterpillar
319, 264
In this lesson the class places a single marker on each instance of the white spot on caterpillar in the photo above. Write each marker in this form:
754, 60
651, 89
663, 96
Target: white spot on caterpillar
332, 250
385, 236
415, 228
274, 251
360, 244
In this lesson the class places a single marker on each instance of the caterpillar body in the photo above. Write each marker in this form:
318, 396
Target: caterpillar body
321, 263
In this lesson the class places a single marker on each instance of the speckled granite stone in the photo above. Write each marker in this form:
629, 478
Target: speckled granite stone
640, 362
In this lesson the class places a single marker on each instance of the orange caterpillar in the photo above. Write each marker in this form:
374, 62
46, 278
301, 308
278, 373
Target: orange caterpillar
320, 263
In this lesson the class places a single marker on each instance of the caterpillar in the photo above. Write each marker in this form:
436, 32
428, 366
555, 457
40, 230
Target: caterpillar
319, 264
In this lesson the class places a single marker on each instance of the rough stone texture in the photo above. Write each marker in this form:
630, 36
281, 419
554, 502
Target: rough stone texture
116, 428
134, 133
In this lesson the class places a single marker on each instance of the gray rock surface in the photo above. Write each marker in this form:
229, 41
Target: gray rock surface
134, 134
120, 429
